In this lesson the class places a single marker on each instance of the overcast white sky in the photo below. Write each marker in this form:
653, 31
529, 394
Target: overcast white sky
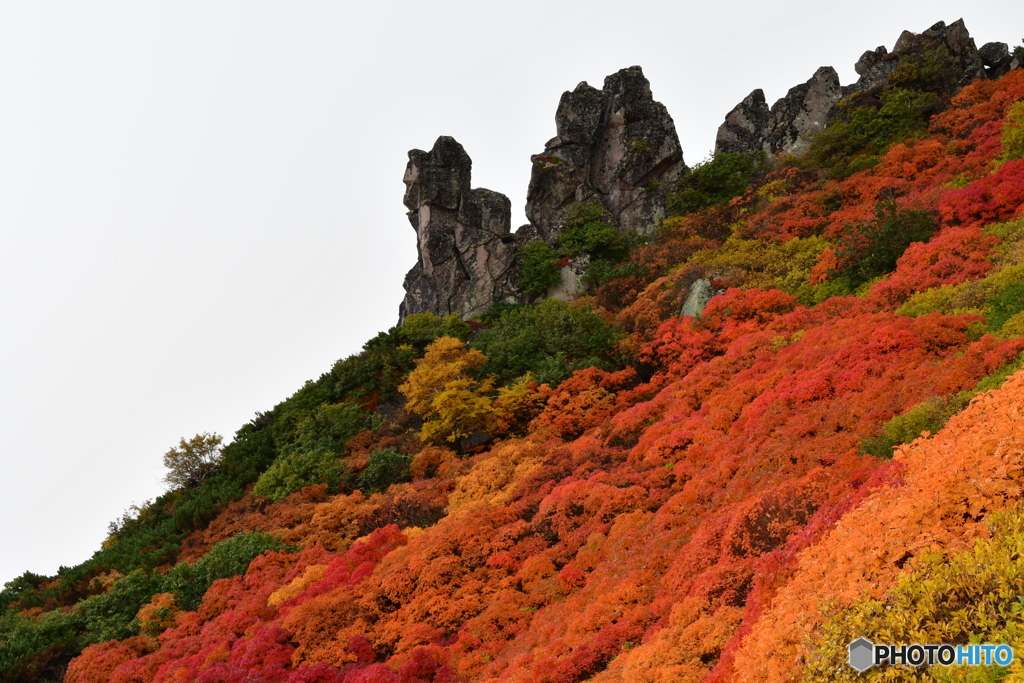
200, 202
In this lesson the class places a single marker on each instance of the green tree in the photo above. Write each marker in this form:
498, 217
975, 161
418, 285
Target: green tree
193, 461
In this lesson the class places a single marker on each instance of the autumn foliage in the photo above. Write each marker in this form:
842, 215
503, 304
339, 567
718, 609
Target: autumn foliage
704, 506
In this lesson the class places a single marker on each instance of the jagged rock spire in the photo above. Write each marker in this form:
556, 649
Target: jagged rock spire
788, 126
616, 146
462, 236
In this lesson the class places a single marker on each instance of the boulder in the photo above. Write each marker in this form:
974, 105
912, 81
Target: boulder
616, 146
467, 254
997, 59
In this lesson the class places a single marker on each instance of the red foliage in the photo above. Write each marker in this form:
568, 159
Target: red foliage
665, 523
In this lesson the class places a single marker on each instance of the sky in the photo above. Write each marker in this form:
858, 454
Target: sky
201, 202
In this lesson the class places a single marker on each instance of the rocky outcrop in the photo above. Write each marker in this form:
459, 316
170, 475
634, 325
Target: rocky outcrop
788, 126
998, 60
616, 146
745, 126
466, 252
792, 121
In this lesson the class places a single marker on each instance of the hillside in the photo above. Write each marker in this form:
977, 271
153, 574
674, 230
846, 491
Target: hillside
691, 423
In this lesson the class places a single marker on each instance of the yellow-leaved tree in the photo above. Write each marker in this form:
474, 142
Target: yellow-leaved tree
443, 391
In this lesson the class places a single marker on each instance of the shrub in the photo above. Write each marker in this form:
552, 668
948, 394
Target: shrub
550, 339
109, 615
540, 268
598, 239
1006, 304
967, 597
298, 469
189, 582
32, 648
868, 249
714, 181
387, 466
419, 329
858, 134
931, 415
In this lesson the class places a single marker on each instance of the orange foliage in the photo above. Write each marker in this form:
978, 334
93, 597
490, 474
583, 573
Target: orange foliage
951, 481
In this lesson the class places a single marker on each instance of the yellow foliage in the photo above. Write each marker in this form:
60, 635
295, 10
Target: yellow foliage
755, 263
966, 297
443, 392
518, 403
313, 573
493, 477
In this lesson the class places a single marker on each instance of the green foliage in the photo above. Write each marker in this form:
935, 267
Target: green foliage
603, 272
869, 249
1013, 133
110, 615
419, 329
298, 469
189, 582
540, 268
22, 590
32, 648
931, 415
551, 339
859, 133
714, 181
387, 466
1006, 304
598, 239
970, 597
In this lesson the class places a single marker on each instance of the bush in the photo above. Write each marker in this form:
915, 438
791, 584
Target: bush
1006, 304
550, 339
714, 181
932, 415
871, 248
297, 470
419, 329
387, 466
189, 582
1013, 133
32, 649
858, 134
968, 597
109, 616
540, 268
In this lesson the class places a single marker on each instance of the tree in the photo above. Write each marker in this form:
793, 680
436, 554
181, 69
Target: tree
444, 393
192, 461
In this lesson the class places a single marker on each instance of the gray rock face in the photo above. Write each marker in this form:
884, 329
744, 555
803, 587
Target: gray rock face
787, 127
616, 146
792, 121
745, 126
802, 112
466, 252
697, 298
953, 42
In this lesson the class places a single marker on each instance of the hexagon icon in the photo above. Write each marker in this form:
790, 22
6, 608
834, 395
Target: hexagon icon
862, 654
